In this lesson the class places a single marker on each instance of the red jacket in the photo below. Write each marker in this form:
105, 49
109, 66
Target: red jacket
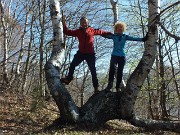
85, 37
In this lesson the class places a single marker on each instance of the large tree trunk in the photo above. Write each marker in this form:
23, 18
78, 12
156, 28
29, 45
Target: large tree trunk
103, 106
63, 99
5, 43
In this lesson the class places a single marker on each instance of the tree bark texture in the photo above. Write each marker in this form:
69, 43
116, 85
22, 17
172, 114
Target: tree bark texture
5, 43
63, 99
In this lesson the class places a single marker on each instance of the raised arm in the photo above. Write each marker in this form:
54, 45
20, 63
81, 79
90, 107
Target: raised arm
66, 30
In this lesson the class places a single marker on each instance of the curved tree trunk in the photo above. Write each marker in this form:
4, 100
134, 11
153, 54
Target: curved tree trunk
103, 106
63, 99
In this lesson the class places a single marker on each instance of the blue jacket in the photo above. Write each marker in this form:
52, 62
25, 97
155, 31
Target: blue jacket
119, 43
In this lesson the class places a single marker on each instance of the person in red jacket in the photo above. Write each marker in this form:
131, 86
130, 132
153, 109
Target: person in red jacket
85, 35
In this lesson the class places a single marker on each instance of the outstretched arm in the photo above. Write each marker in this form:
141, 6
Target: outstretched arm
137, 39
109, 36
101, 32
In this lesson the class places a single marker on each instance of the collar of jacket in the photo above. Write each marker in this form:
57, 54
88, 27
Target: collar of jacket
118, 34
83, 28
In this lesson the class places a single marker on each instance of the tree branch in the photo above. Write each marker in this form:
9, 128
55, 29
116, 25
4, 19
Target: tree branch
167, 32
161, 12
157, 125
174, 4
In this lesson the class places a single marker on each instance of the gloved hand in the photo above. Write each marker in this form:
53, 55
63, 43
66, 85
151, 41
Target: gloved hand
145, 38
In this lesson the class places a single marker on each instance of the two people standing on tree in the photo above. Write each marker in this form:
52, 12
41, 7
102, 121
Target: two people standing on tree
118, 53
85, 35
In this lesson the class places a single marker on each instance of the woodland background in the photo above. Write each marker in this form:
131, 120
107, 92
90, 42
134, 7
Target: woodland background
26, 44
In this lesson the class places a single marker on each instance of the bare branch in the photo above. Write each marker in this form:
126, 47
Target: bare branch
167, 32
100, 10
158, 16
174, 4
156, 125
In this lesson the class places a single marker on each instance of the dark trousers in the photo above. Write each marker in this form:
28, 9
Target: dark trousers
120, 62
90, 59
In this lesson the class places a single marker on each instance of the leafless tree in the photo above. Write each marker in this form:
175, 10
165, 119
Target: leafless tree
104, 106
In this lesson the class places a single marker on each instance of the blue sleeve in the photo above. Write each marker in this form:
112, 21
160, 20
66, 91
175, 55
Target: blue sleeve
109, 36
133, 38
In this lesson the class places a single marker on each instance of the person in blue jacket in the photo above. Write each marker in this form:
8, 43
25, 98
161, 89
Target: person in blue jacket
118, 54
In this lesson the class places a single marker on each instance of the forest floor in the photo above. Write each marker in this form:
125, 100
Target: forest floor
25, 115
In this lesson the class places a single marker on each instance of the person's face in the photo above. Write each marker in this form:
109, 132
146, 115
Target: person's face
119, 30
84, 23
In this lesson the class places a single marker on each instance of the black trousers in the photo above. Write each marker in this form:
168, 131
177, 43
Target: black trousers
118, 61
90, 59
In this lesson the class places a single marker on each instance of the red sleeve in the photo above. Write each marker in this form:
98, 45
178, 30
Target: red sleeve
68, 32
101, 32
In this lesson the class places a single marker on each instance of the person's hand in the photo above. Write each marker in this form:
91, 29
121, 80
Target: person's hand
145, 38
63, 19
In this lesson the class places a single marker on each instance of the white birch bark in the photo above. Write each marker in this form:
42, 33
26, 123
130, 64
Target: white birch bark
64, 101
58, 47
5, 43
137, 78
22, 46
140, 73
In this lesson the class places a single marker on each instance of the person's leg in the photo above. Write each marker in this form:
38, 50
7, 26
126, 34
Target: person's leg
121, 63
90, 59
111, 73
78, 58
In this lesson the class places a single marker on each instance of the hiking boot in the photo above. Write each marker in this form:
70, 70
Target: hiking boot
110, 85
96, 90
66, 80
